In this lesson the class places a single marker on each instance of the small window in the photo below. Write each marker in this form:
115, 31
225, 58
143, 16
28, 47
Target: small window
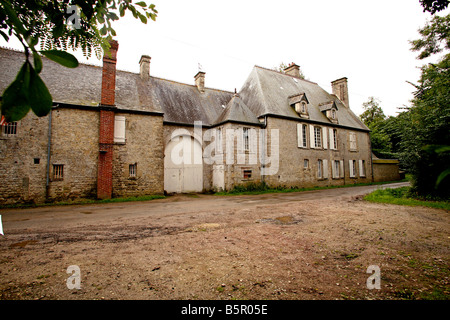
58, 172
9, 129
132, 170
245, 133
306, 164
303, 107
247, 174
334, 139
36, 160
333, 114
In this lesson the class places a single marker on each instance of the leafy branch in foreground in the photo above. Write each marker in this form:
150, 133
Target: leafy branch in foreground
57, 25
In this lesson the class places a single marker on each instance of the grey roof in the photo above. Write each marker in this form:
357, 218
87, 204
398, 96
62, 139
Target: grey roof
264, 92
237, 111
267, 92
181, 103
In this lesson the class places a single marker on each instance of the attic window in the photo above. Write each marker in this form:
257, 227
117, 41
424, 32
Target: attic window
300, 104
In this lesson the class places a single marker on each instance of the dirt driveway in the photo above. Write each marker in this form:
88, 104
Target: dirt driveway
310, 245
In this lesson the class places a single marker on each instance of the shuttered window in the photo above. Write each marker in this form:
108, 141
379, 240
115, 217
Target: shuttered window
362, 168
119, 129
302, 135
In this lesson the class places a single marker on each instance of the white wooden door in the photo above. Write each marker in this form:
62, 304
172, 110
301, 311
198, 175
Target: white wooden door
183, 166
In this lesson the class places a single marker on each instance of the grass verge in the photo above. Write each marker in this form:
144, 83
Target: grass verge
403, 196
261, 188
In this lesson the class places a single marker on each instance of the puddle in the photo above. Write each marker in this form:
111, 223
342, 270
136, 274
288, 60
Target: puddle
23, 243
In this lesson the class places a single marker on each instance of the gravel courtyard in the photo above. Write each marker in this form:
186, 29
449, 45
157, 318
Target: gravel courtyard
309, 245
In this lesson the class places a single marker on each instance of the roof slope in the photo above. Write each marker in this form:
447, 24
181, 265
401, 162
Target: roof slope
267, 92
180, 103
237, 111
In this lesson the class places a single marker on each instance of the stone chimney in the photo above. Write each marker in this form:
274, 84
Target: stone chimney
200, 81
145, 67
339, 88
106, 130
293, 70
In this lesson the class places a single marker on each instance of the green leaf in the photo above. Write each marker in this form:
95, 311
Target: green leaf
141, 3
38, 95
143, 18
13, 17
442, 176
15, 102
37, 62
63, 58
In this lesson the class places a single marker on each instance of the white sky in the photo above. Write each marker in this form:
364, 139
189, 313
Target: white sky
365, 41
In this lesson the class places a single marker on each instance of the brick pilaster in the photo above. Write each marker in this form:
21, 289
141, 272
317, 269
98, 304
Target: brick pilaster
106, 130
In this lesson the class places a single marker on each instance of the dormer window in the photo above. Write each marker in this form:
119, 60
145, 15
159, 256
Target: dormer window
329, 109
299, 103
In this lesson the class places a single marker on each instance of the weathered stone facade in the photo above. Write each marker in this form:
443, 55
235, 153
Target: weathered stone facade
111, 134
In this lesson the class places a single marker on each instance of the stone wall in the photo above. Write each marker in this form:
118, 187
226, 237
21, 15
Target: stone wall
386, 170
143, 148
292, 171
23, 159
74, 144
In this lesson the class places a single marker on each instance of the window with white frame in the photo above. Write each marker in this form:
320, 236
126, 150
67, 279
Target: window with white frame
302, 135
132, 169
362, 168
318, 137
9, 129
306, 163
352, 141
352, 168
336, 169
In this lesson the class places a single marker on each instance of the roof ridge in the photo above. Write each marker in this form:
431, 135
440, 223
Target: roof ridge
285, 74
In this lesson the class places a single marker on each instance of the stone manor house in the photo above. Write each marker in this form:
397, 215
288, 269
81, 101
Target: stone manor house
113, 133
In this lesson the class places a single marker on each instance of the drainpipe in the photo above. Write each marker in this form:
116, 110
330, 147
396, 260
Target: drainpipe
263, 146
49, 143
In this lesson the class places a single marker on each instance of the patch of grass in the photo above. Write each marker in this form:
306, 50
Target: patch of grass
84, 201
403, 196
261, 188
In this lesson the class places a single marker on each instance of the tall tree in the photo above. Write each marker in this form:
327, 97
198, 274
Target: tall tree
374, 118
57, 25
426, 135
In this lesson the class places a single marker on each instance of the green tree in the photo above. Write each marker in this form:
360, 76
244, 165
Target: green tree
434, 6
57, 25
375, 119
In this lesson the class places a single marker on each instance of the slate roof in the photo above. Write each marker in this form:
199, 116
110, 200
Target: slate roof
264, 92
237, 111
267, 92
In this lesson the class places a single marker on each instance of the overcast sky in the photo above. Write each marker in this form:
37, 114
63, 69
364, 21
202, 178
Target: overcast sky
365, 41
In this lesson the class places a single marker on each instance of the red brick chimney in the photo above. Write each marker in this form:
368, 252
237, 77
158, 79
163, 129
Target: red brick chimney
106, 131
